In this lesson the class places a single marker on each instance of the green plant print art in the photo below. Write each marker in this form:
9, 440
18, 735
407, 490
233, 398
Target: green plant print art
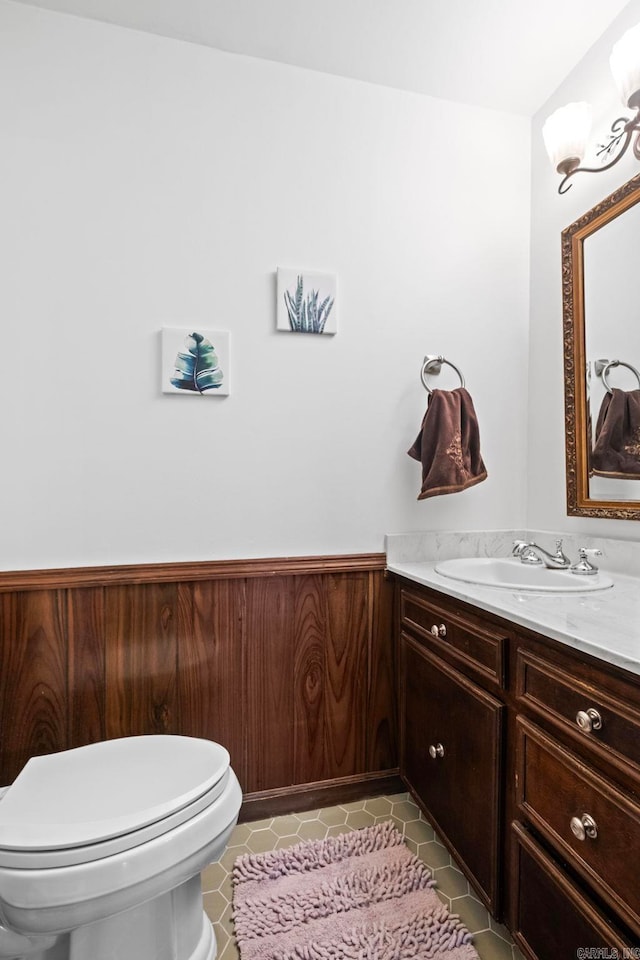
195, 364
306, 302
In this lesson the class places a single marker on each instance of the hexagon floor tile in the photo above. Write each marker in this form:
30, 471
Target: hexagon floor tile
491, 940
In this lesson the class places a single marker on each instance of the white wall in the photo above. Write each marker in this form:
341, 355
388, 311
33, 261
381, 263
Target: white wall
151, 183
550, 214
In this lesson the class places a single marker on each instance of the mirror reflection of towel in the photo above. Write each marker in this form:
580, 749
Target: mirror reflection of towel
448, 445
616, 451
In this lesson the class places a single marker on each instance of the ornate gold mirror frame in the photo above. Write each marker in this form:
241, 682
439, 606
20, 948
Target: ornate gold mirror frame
577, 425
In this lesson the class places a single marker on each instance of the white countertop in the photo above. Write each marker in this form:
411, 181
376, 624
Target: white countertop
603, 623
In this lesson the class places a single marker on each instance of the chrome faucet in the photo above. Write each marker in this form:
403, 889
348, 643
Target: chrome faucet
530, 552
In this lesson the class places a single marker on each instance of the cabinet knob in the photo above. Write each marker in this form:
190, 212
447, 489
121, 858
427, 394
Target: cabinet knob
436, 750
439, 630
583, 827
589, 720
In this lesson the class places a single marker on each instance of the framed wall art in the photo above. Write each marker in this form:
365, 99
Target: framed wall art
195, 362
306, 301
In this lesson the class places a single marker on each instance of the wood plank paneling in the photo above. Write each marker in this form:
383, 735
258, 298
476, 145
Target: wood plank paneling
293, 672
346, 671
86, 666
382, 739
211, 665
308, 721
141, 660
270, 683
33, 678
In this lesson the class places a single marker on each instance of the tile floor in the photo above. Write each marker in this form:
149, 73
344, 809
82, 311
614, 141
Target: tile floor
491, 939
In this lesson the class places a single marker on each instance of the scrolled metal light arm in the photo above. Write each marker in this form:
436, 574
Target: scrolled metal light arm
622, 131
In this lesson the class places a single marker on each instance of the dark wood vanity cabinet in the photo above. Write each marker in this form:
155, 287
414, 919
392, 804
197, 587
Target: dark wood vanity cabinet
577, 793
452, 733
552, 916
452, 759
525, 756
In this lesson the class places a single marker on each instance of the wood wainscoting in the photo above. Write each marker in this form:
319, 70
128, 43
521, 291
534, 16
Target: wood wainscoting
288, 662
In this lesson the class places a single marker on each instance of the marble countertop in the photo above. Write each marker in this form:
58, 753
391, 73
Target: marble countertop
603, 623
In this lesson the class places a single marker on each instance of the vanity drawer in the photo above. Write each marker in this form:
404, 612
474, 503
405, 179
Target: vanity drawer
553, 918
562, 796
465, 640
585, 711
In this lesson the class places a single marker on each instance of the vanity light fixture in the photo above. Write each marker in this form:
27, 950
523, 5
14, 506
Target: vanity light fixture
567, 130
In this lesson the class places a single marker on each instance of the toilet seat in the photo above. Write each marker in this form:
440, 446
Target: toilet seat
105, 798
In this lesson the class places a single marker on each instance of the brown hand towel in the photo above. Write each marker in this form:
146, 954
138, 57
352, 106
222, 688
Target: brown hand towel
616, 452
448, 445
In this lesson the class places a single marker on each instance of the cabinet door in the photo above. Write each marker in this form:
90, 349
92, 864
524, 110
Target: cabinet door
452, 738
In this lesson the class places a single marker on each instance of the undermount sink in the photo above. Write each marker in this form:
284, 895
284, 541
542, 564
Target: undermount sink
511, 574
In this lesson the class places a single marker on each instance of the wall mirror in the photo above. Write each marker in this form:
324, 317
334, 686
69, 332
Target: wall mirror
601, 316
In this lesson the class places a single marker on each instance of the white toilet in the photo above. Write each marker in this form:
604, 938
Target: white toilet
101, 850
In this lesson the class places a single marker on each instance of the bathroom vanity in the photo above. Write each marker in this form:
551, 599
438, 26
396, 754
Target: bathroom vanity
520, 740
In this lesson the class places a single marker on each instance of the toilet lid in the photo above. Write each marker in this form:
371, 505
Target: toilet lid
105, 790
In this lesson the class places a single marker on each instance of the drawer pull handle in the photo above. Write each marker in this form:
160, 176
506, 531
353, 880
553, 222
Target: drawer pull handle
439, 631
436, 750
589, 720
583, 827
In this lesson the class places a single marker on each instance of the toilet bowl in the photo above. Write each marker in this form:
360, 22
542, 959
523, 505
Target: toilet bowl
101, 850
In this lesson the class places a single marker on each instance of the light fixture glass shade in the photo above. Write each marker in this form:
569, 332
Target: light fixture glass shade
625, 64
566, 132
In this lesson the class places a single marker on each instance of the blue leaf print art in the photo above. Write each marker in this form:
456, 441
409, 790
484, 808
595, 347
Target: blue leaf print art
197, 368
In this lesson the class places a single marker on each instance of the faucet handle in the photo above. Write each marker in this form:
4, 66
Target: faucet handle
519, 547
584, 565
522, 549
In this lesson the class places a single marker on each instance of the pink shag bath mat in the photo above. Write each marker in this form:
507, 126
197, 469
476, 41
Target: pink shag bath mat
358, 896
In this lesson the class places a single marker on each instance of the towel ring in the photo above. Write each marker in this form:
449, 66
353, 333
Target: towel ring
437, 362
616, 363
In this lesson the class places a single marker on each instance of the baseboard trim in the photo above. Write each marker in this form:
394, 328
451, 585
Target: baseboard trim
323, 793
